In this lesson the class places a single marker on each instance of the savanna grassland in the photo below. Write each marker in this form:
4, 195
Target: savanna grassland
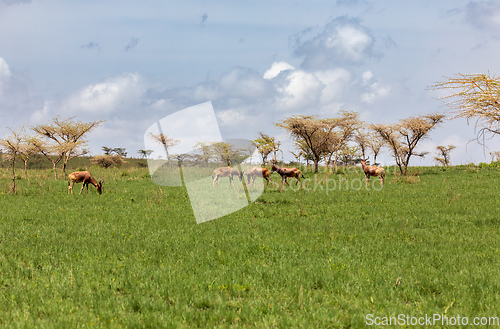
135, 257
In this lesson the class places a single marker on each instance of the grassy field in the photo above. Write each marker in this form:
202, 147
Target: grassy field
311, 258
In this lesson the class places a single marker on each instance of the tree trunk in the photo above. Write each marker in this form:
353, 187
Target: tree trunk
54, 168
26, 169
316, 162
13, 175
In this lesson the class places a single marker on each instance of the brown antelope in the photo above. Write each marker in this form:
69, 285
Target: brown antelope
225, 172
287, 172
258, 172
86, 178
373, 171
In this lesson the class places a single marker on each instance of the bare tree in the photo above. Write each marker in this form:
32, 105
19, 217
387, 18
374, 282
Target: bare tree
444, 152
404, 136
68, 136
475, 96
11, 148
164, 140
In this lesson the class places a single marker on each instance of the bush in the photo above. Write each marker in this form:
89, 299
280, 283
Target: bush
107, 161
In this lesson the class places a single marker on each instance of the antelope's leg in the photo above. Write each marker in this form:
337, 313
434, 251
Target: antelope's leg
83, 186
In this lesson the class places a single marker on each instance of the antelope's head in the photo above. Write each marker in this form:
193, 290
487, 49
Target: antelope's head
99, 187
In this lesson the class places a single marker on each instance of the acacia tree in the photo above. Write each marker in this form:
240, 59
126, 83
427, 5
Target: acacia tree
67, 136
49, 150
362, 138
227, 153
311, 131
475, 96
11, 148
144, 153
304, 151
375, 144
26, 151
341, 130
444, 152
403, 137
164, 140
266, 144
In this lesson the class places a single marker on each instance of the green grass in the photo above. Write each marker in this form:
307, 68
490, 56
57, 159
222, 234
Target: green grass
135, 257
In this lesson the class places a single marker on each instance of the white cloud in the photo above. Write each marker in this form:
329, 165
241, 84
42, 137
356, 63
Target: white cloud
300, 91
105, 97
343, 40
374, 90
231, 117
277, 68
335, 82
4, 75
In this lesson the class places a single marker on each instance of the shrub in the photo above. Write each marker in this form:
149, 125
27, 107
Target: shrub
107, 161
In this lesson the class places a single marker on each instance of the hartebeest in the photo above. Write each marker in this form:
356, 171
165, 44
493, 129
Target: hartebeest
373, 171
287, 172
225, 172
86, 178
258, 172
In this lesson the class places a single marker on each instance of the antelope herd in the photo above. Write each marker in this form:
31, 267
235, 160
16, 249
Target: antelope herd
86, 178
284, 173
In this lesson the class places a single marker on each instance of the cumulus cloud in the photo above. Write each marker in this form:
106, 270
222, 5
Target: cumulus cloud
343, 40
105, 97
277, 68
373, 89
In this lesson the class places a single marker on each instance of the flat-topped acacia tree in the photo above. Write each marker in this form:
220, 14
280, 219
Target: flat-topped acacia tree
67, 136
403, 137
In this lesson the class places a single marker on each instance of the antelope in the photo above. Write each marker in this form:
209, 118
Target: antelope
287, 172
258, 172
86, 178
373, 171
225, 172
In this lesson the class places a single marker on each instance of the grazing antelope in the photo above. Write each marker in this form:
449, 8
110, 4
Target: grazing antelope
373, 171
225, 172
86, 178
287, 172
258, 172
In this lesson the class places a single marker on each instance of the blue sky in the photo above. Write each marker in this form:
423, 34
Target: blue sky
132, 63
